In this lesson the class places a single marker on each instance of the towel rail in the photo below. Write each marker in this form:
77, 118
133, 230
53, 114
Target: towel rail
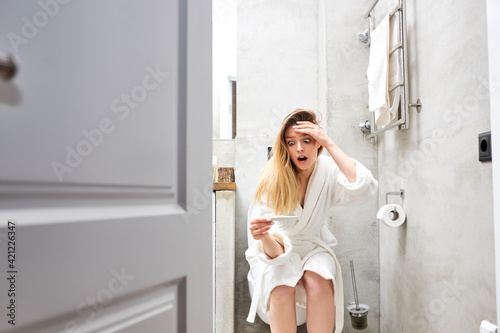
395, 86
388, 127
395, 48
371, 9
404, 105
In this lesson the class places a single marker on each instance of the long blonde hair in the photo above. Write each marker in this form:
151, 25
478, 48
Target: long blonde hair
279, 180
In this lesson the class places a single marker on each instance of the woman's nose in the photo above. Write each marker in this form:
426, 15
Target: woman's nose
299, 147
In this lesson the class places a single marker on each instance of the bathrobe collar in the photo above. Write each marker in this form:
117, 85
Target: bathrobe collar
315, 186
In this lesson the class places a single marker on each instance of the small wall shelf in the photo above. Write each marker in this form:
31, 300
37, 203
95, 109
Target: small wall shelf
224, 186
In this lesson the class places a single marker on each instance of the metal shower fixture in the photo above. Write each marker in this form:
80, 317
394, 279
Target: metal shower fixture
364, 36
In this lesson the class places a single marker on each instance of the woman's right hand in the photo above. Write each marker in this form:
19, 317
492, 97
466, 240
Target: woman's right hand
259, 227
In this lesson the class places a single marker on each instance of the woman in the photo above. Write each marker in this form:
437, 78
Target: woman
294, 263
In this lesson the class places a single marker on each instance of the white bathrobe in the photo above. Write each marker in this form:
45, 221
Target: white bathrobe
308, 243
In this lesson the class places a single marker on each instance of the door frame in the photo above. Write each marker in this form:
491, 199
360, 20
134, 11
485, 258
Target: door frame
493, 21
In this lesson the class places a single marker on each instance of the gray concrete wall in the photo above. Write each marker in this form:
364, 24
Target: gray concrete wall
356, 228
224, 151
277, 72
437, 270
304, 54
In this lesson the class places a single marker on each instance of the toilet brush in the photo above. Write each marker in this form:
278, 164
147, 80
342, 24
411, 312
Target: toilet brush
358, 312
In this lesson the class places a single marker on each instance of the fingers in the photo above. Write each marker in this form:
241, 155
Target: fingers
259, 227
307, 127
304, 125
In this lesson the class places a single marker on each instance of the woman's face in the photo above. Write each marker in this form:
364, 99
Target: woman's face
303, 149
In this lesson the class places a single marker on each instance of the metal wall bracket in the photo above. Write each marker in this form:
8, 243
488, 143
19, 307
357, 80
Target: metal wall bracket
418, 105
401, 194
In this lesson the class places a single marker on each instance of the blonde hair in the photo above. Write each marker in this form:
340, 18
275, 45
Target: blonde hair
279, 180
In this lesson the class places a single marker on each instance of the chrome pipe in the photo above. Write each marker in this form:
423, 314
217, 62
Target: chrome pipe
396, 85
385, 128
371, 8
397, 47
404, 64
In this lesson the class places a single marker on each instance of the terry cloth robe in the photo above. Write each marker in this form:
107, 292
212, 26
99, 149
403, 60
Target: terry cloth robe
308, 244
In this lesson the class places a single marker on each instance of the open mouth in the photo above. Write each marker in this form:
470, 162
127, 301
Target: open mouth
302, 159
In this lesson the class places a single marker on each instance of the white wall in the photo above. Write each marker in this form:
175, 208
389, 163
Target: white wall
224, 63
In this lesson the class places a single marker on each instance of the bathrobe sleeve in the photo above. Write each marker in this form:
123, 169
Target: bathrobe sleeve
261, 210
351, 194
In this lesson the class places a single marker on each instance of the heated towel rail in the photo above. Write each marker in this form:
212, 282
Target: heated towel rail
404, 105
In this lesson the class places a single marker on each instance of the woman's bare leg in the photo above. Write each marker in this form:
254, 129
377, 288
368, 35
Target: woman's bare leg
320, 311
282, 315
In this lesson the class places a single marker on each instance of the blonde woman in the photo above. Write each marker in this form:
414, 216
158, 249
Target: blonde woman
292, 265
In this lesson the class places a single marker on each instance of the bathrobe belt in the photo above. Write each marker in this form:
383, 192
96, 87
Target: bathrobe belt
338, 292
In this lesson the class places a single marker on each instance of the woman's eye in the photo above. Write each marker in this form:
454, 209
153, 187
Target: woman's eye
307, 140
290, 143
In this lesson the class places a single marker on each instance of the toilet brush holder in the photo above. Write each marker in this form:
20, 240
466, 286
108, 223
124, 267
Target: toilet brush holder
359, 316
358, 312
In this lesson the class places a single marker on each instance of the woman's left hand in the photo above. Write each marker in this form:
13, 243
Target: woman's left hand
306, 127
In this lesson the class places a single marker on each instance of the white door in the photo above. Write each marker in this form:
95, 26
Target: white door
105, 185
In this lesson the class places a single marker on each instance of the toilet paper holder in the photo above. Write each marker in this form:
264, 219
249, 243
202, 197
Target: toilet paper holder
401, 194
394, 213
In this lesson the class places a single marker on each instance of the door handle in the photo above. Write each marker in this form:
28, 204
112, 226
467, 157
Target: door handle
8, 66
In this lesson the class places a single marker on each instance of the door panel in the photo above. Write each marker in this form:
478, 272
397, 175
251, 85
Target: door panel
105, 166
97, 82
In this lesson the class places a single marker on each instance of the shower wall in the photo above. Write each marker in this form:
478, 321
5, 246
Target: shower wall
437, 270
292, 54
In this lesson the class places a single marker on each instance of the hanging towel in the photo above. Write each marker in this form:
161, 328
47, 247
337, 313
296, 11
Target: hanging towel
378, 70
384, 71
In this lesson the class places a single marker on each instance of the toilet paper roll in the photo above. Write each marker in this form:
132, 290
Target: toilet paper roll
392, 215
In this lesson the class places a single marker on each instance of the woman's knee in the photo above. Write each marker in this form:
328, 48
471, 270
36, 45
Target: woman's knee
283, 294
315, 284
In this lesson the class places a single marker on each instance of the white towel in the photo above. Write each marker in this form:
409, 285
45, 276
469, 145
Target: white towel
384, 71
